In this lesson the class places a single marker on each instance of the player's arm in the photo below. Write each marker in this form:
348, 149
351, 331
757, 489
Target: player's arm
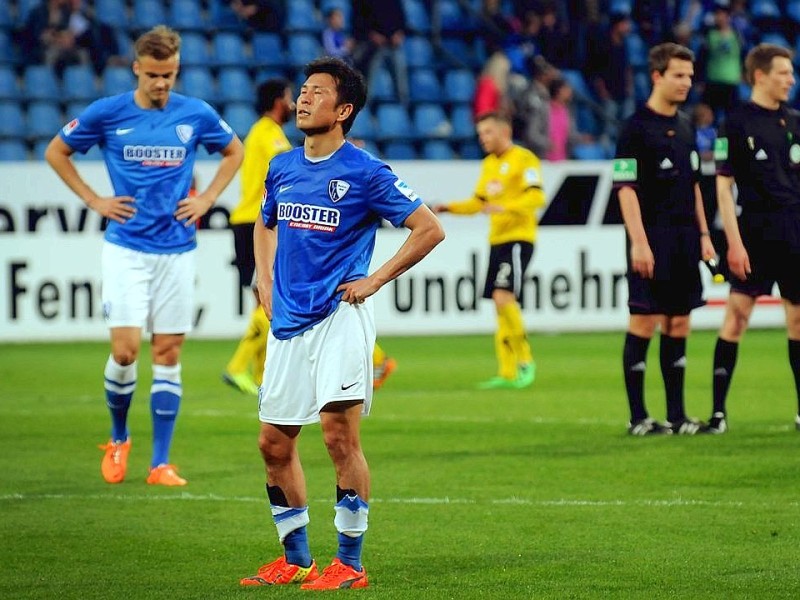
706, 246
426, 233
191, 209
642, 259
738, 260
470, 206
59, 156
265, 242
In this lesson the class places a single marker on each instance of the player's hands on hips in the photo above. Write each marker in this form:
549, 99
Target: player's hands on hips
114, 208
739, 261
191, 209
355, 292
642, 260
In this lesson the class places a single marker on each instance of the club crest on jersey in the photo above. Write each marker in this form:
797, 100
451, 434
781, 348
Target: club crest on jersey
184, 132
337, 189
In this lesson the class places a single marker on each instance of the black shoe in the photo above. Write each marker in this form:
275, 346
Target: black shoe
716, 424
647, 427
686, 426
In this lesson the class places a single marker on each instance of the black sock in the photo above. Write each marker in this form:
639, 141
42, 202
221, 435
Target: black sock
673, 369
794, 362
634, 360
724, 362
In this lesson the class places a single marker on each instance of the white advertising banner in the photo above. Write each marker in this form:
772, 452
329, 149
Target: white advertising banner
50, 262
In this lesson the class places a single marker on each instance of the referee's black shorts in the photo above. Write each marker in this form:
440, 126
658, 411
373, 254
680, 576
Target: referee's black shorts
244, 260
507, 264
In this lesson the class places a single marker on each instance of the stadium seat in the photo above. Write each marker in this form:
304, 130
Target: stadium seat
112, 13
39, 148
73, 109
293, 134
437, 150
44, 120
577, 82
268, 50
456, 51
40, 83
125, 44
793, 11
417, 17
222, 16
12, 121
198, 82
430, 121
425, 86
302, 17
364, 126
6, 19
637, 50
147, 14
463, 122
459, 86
393, 122
381, 87
13, 150
773, 37
186, 15
8, 50
453, 18
372, 148
240, 117
235, 85
620, 7
9, 88
589, 152
470, 151
79, 83
117, 80
399, 151
194, 50
23, 8
263, 74
419, 52
764, 9
346, 6
229, 50
641, 87
302, 48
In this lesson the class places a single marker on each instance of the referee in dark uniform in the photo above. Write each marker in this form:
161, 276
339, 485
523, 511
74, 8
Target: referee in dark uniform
758, 149
656, 174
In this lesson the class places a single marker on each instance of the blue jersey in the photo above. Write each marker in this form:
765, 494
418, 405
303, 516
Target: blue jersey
326, 214
149, 154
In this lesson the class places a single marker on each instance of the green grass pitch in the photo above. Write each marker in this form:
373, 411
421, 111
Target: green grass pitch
508, 494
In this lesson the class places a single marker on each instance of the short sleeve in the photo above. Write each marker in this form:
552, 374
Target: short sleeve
269, 214
391, 197
216, 134
85, 130
626, 164
722, 151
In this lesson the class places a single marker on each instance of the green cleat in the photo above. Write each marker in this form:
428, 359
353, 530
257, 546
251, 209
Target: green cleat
241, 381
498, 383
526, 375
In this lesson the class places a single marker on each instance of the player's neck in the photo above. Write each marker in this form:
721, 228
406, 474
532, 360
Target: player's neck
323, 144
503, 149
142, 101
764, 100
662, 107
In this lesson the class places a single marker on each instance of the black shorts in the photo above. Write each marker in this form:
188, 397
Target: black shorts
245, 260
676, 288
773, 246
507, 264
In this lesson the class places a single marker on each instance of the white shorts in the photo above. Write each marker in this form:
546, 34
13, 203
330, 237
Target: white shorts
331, 362
151, 291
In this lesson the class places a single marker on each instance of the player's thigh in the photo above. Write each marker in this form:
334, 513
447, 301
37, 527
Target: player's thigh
507, 265
126, 286
172, 301
788, 269
287, 395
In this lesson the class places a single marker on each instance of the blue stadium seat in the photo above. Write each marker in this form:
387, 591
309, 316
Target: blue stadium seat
12, 120
39, 148
229, 50
222, 16
9, 88
147, 14
268, 50
459, 86
73, 109
454, 19
419, 52
302, 17
293, 134
364, 126
346, 6
417, 17
112, 13
44, 120
577, 82
117, 80
372, 148
263, 74
620, 7
8, 50
437, 150
235, 85
793, 10
240, 117
23, 8
470, 151
187, 15
13, 150
637, 50
773, 37
79, 83
302, 49
425, 86
381, 87
198, 82
589, 152
40, 83
399, 151
641, 86
125, 44
393, 122
430, 121
456, 51
764, 9
6, 19
462, 121
194, 50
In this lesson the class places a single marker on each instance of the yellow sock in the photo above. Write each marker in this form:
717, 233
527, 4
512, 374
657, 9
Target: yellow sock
511, 313
249, 346
378, 355
506, 361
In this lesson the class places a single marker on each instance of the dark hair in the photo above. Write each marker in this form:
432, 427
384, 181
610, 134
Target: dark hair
555, 86
659, 56
760, 59
160, 42
269, 92
350, 85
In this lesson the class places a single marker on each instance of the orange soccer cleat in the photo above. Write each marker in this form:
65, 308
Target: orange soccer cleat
381, 372
338, 576
115, 460
165, 475
279, 572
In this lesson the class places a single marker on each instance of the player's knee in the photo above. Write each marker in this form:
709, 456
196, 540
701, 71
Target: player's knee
274, 453
125, 356
340, 444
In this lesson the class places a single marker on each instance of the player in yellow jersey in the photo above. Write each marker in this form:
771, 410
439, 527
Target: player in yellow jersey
509, 191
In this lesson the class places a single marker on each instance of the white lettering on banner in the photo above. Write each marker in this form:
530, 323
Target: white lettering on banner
50, 263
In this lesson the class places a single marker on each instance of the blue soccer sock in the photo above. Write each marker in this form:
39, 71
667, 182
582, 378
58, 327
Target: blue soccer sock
291, 525
120, 382
165, 399
352, 515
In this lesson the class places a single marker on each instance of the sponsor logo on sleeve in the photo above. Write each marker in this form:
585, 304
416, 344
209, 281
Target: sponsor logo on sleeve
71, 126
532, 177
403, 188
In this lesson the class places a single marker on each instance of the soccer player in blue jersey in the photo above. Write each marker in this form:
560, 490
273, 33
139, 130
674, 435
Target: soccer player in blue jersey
322, 206
149, 137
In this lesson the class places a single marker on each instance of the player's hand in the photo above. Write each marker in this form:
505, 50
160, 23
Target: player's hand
439, 208
193, 208
642, 260
355, 292
739, 261
489, 208
114, 208
707, 248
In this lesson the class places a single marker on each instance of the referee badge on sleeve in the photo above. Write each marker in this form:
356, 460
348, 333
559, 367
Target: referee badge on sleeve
721, 148
625, 169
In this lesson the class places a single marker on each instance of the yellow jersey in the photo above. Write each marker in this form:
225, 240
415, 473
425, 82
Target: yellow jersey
513, 182
264, 140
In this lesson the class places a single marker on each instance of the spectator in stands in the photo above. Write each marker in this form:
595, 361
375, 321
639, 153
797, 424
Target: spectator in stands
491, 89
722, 58
260, 15
554, 36
335, 40
532, 108
496, 26
563, 134
379, 30
610, 74
706, 135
